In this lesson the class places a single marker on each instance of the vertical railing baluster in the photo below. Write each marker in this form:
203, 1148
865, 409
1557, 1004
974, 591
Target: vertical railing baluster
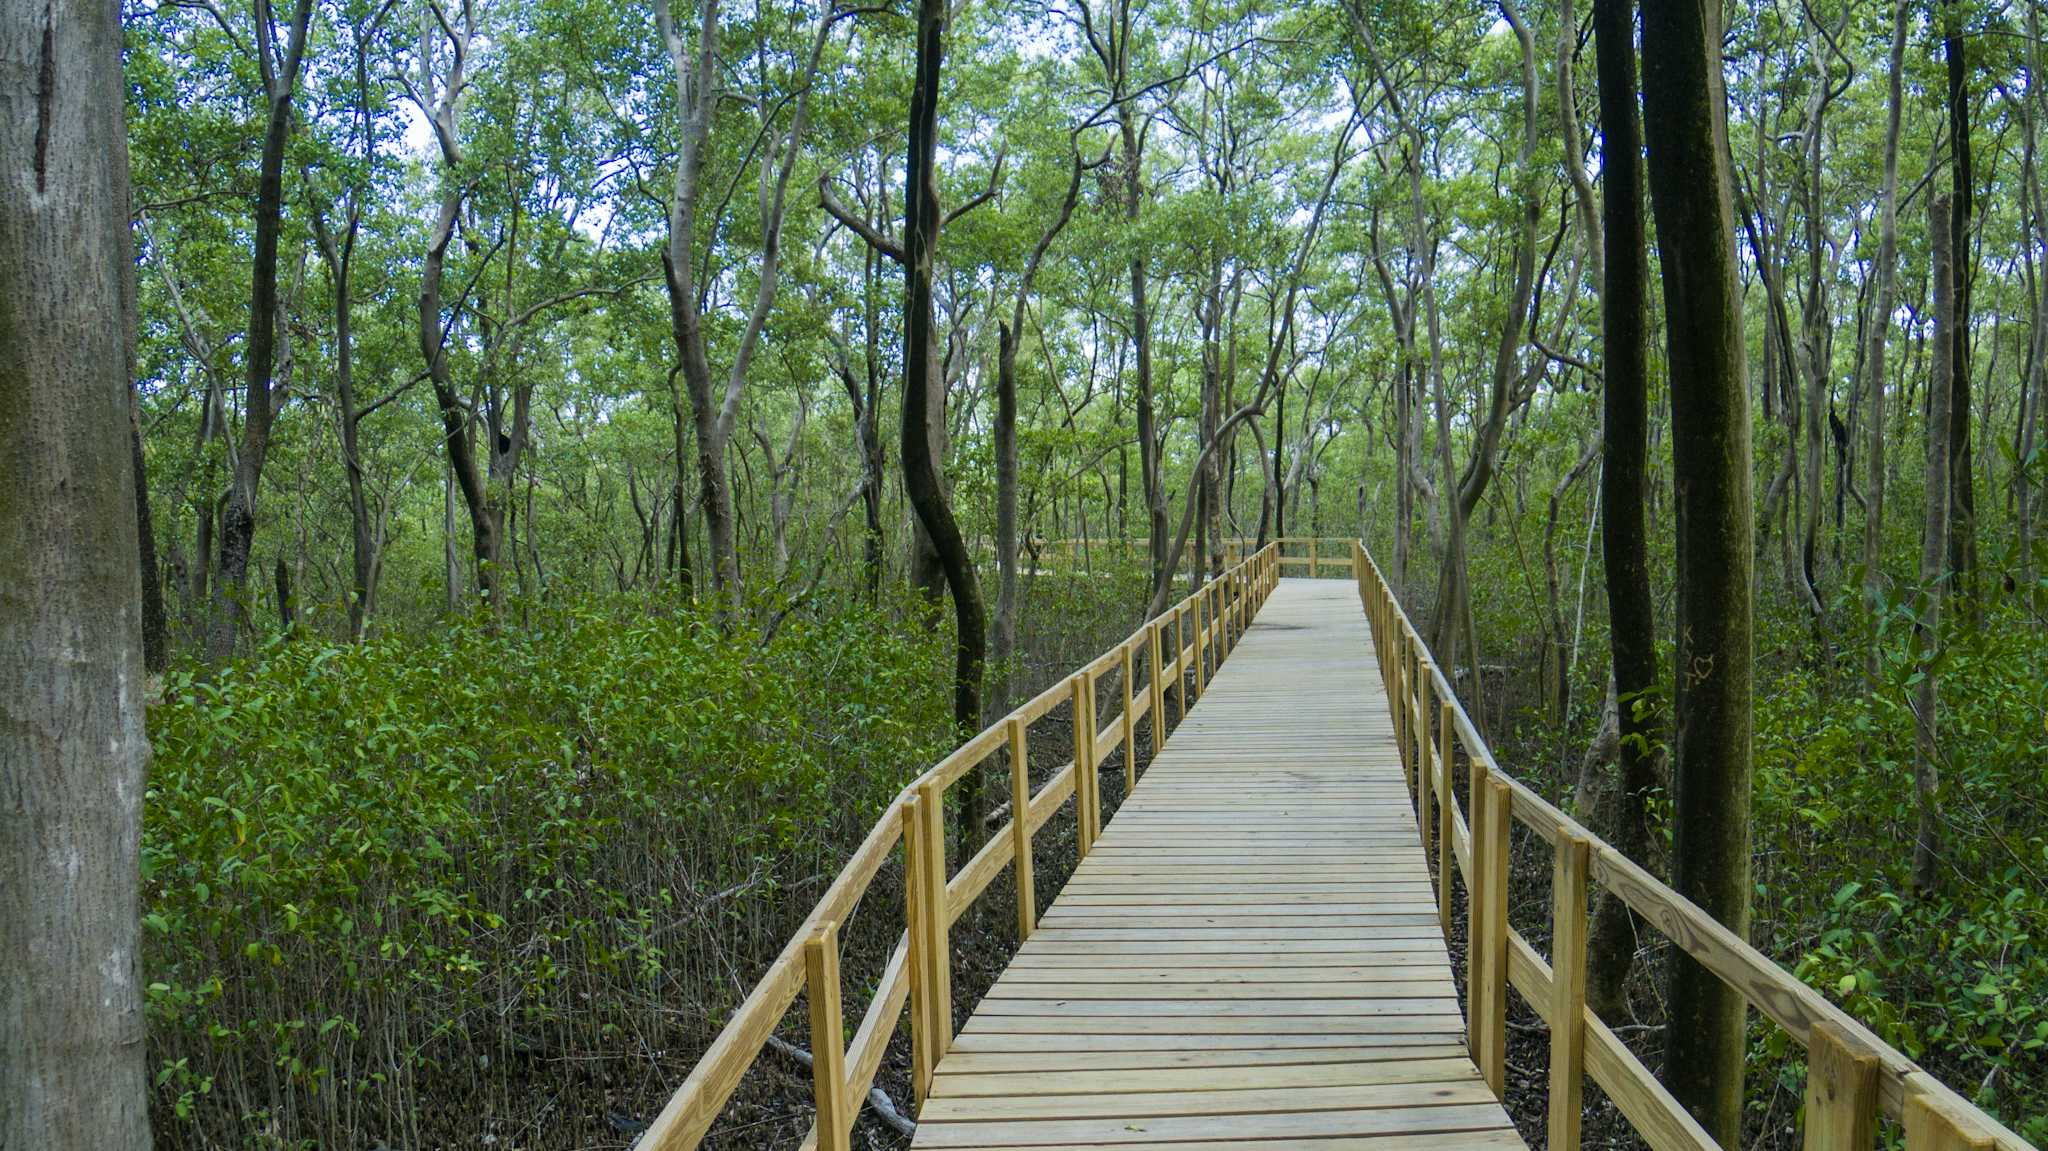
1486, 934
1130, 726
1446, 815
938, 948
828, 1038
1568, 989
1841, 1092
1020, 827
917, 932
1083, 686
1157, 687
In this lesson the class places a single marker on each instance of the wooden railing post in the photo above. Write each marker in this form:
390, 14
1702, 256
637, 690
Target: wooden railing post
1130, 726
1083, 686
1934, 1122
828, 1038
1020, 826
1157, 687
1201, 642
1568, 990
1312, 569
1399, 697
1446, 815
1180, 667
1841, 1092
938, 945
917, 934
1487, 933
1424, 762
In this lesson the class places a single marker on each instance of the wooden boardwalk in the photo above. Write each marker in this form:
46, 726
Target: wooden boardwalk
1251, 953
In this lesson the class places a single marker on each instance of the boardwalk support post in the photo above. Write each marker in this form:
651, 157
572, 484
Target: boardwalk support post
1568, 989
917, 936
1130, 725
1937, 1121
1157, 687
1446, 815
1487, 936
938, 930
828, 1038
1841, 1091
1020, 826
1083, 685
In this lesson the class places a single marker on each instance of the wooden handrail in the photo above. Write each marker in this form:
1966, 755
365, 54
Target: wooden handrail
1204, 626
1318, 557
1853, 1076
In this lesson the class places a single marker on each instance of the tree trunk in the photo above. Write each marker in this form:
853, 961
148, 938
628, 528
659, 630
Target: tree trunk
1006, 509
1624, 484
72, 681
922, 482
1684, 125
156, 640
1934, 551
237, 532
1881, 328
1962, 544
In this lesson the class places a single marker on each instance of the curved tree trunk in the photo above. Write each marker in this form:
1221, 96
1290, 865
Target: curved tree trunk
922, 482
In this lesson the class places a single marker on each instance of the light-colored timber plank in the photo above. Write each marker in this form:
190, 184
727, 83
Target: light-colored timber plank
1164, 1104
1498, 1139
1068, 1062
1039, 1084
1229, 1129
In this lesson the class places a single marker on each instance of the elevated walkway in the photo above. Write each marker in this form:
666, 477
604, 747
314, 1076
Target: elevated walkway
1251, 954
1251, 950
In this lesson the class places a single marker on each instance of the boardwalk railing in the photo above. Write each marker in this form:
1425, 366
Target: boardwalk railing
1853, 1077
1200, 629
1296, 555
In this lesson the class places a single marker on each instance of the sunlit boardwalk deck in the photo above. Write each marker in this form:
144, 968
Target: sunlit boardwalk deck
1250, 954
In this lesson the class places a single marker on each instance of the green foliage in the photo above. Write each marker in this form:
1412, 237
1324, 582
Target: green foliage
434, 860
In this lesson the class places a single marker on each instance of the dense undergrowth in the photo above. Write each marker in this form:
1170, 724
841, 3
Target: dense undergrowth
475, 887
1958, 978
396, 889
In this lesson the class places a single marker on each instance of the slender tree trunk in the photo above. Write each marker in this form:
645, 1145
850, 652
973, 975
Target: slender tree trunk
922, 482
237, 534
1625, 484
1006, 510
1962, 544
2028, 467
1684, 125
1881, 328
1934, 551
72, 681
156, 640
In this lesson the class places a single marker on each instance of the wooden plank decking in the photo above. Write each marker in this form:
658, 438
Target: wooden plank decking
1250, 955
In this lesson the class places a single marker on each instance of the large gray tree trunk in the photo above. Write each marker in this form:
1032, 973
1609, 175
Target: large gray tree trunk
72, 747
1685, 128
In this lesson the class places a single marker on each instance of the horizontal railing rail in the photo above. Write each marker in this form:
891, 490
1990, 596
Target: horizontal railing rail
1853, 1077
1318, 554
1203, 628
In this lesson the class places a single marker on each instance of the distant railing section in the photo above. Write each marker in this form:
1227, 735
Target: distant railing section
1314, 555
1853, 1077
1202, 629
